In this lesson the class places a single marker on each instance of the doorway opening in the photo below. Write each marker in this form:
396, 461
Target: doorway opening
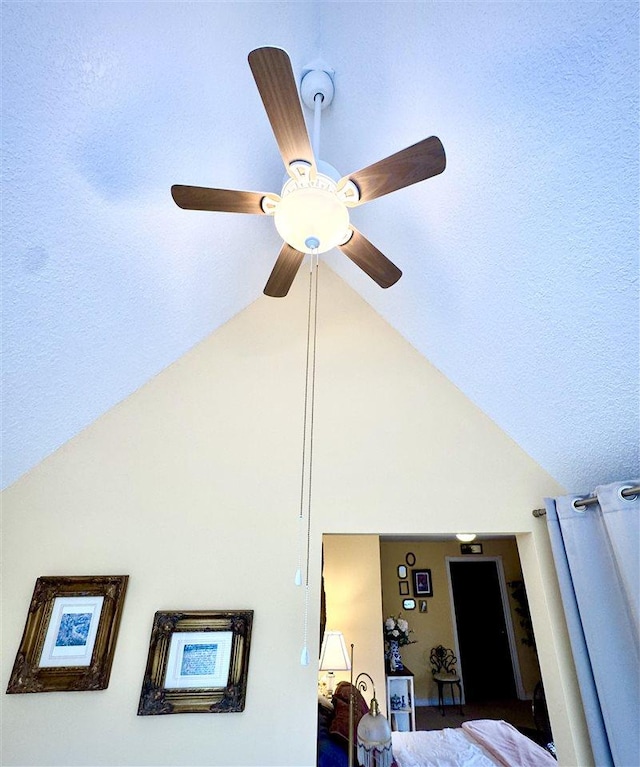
369, 578
483, 631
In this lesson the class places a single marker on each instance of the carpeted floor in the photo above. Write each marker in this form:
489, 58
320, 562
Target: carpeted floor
517, 712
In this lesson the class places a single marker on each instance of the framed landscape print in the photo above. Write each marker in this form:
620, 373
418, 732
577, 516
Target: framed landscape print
198, 663
70, 635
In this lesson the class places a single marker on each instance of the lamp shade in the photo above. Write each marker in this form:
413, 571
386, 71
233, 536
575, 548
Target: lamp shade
333, 653
374, 739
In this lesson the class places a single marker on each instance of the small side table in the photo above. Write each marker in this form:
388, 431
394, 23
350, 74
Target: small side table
401, 700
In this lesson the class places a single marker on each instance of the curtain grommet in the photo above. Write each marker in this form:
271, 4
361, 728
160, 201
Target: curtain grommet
626, 497
576, 505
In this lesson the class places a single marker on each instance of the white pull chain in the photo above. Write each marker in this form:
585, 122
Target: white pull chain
307, 446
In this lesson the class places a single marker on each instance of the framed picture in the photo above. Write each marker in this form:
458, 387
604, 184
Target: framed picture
408, 604
70, 635
471, 548
402, 571
422, 586
410, 559
404, 588
423, 605
198, 663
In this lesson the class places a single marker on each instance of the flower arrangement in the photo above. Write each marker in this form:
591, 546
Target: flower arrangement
396, 629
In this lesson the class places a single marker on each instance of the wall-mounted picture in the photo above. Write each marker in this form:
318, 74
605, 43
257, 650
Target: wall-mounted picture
423, 605
422, 586
409, 604
198, 663
471, 548
404, 588
402, 571
410, 559
70, 635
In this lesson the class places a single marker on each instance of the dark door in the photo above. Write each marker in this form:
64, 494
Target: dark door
485, 658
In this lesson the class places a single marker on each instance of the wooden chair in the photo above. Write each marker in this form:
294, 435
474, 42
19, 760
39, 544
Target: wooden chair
443, 667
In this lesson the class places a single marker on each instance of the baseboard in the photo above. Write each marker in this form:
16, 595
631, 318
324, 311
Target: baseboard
426, 702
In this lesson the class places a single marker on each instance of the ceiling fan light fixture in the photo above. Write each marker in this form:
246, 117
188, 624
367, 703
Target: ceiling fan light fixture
310, 210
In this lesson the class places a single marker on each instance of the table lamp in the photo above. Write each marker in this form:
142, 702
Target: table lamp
333, 657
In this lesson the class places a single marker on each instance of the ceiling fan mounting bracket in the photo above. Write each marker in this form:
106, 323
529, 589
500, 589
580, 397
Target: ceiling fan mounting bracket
314, 82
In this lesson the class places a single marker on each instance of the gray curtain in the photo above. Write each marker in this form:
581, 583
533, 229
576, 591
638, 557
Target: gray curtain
596, 553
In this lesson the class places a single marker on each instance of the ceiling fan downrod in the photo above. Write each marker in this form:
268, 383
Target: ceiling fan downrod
317, 91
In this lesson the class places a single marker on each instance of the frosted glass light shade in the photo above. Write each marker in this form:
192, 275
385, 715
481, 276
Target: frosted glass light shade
466, 537
374, 740
311, 210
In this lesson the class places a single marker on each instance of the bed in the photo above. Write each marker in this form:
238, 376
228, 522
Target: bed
478, 743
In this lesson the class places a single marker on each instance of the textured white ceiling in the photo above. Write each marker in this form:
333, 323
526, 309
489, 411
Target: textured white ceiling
520, 261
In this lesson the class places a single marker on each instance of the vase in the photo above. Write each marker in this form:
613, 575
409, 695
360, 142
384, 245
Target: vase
393, 656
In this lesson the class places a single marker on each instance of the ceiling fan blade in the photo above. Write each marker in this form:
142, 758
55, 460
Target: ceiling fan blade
371, 260
408, 166
284, 272
223, 200
273, 74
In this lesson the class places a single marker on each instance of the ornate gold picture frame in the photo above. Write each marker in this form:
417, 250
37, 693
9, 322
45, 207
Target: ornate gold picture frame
70, 635
198, 663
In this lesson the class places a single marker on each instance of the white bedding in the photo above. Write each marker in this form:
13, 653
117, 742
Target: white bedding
439, 748
480, 743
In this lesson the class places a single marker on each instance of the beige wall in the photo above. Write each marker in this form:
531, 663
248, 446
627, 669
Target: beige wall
191, 487
354, 603
436, 625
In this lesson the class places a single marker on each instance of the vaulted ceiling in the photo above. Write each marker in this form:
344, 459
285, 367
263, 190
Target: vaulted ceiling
520, 261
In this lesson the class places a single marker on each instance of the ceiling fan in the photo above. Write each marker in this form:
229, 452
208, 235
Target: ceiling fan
311, 213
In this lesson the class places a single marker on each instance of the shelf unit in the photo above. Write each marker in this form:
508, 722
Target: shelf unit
401, 700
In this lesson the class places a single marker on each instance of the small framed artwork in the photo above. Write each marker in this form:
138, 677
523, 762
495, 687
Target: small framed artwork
423, 605
404, 588
471, 548
408, 604
402, 571
69, 639
422, 586
410, 559
198, 663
